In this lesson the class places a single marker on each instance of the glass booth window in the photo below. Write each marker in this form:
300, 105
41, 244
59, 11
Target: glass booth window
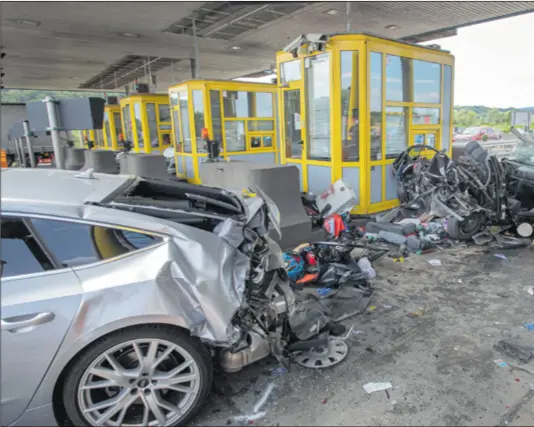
264, 104
376, 105
139, 125
396, 131
198, 108
290, 71
127, 123
174, 98
234, 133
398, 78
258, 125
237, 104
107, 128
164, 113
425, 116
184, 121
318, 100
293, 128
152, 125
446, 136
350, 123
216, 119
117, 121
179, 148
427, 81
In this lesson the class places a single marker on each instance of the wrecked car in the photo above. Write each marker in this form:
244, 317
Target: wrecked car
476, 191
119, 294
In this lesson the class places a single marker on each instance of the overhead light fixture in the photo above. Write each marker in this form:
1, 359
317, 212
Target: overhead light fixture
235, 47
28, 22
130, 35
333, 12
392, 27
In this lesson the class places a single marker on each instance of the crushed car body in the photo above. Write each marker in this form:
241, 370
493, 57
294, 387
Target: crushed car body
476, 191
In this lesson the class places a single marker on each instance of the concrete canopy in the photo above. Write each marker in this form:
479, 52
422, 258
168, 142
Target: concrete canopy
105, 45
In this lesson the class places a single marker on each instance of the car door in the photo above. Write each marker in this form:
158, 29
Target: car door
38, 303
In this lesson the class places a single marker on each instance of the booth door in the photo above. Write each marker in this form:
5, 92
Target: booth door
293, 141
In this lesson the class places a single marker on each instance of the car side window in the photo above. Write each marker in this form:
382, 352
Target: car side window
74, 244
21, 253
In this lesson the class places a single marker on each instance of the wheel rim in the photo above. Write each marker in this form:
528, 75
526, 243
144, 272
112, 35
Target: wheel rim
142, 382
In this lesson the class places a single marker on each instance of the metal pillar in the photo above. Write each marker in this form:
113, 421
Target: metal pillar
349, 18
53, 123
194, 62
27, 136
20, 152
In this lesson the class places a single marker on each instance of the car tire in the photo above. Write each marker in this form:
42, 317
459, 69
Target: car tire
139, 392
466, 229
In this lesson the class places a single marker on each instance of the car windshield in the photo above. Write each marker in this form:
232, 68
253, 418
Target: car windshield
471, 131
523, 153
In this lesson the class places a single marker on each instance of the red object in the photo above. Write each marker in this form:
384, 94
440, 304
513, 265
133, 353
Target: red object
334, 225
308, 278
311, 259
324, 401
517, 380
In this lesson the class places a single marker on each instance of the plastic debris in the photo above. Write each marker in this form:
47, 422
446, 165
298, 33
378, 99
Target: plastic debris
324, 291
367, 268
263, 398
372, 387
501, 256
278, 372
355, 332
435, 262
417, 313
248, 419
519, 352
529, 289
501, 363
371, 308
529, 326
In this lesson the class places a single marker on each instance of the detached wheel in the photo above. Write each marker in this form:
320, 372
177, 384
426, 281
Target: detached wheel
146, 376
466, 229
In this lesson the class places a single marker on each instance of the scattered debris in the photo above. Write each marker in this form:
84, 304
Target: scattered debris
501, 363
278, 372
519, 352
416, 313
372, 387
435, 262
263, 398
529, 289
529, 326
501, 256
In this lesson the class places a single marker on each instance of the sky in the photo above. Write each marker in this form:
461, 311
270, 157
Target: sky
494, 63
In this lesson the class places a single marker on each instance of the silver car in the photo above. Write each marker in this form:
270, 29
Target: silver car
119, 292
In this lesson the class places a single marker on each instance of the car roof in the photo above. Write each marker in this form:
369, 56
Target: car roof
47, 186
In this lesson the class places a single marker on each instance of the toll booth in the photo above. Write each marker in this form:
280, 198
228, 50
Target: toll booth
242, 116
146, 122
112, 127
93, 137
350, 103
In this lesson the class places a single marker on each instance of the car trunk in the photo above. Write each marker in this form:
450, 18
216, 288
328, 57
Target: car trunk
195, 205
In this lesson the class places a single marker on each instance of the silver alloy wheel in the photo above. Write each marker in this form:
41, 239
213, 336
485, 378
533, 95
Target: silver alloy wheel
142, 382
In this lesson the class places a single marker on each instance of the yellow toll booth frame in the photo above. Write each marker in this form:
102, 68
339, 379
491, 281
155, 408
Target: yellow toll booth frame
112, 127
248, 131
146, 122
94, 135
398, 103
